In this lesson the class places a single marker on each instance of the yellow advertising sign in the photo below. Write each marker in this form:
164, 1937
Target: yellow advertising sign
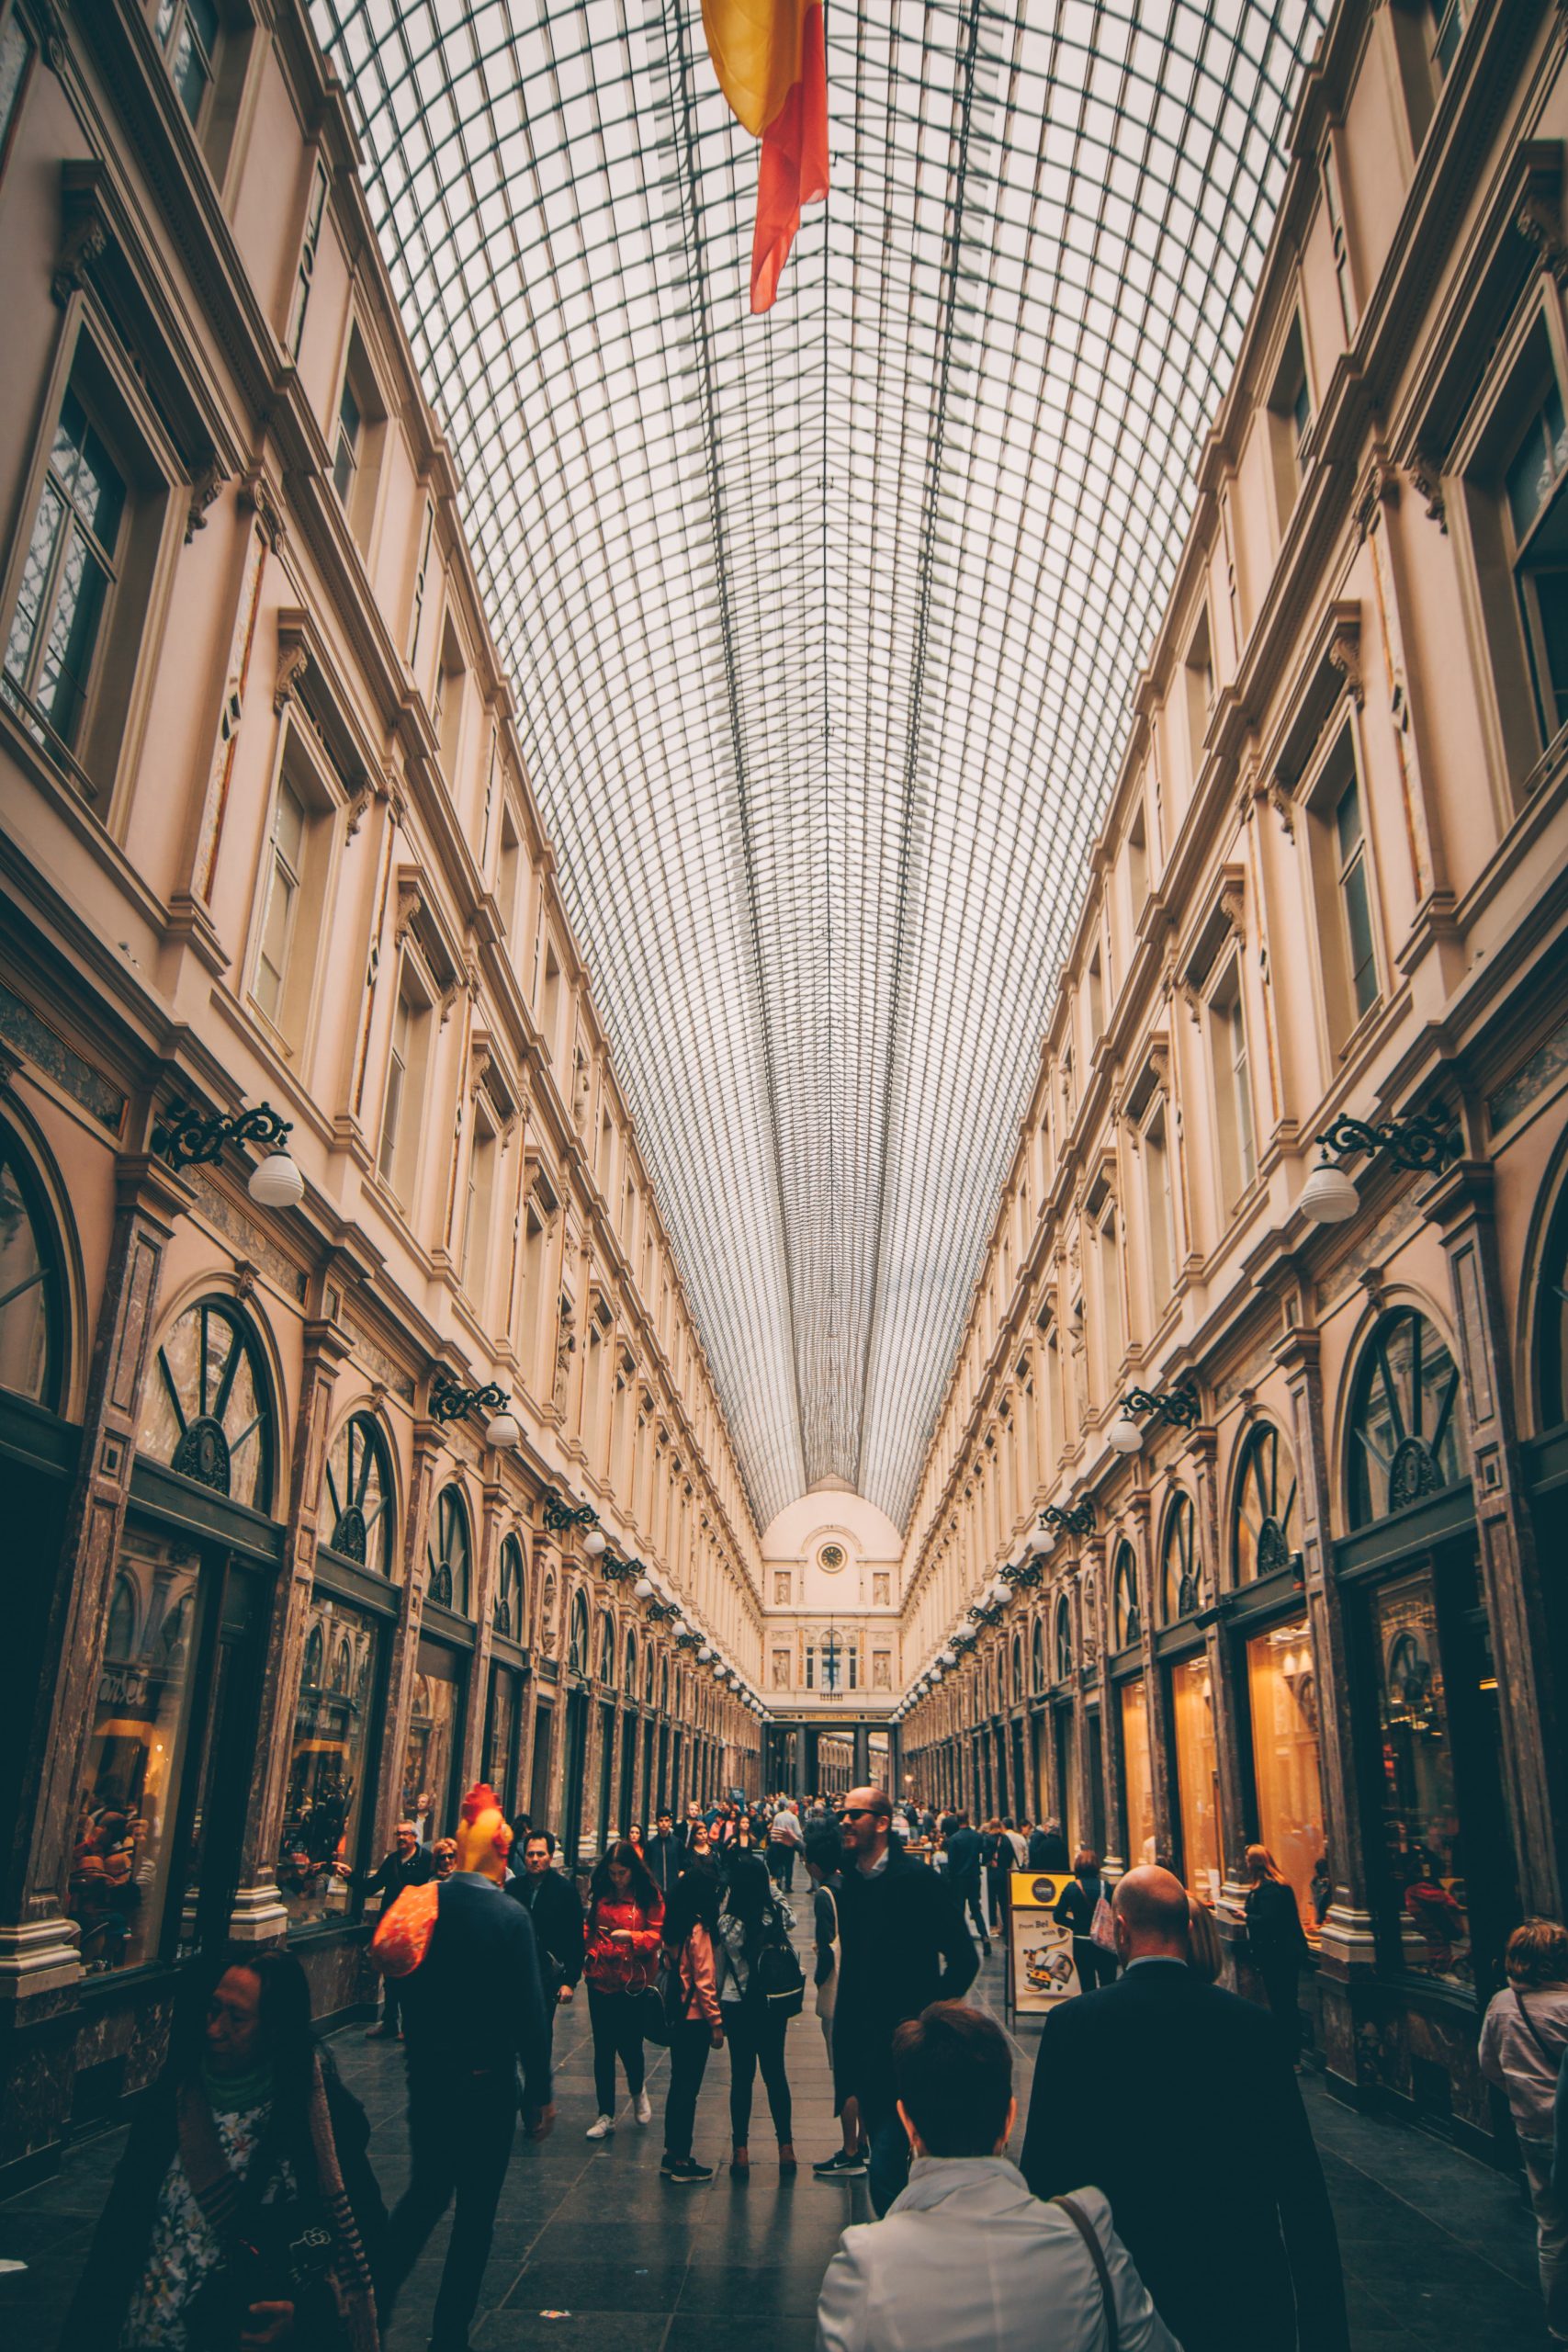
1040, 1969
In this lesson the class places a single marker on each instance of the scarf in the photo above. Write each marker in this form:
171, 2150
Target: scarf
216, 2189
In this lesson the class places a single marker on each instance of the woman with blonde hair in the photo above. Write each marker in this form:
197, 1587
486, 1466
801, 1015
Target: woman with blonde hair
1276, 1939
1523, 2037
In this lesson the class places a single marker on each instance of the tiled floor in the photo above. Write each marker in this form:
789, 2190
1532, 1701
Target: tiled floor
594, 2247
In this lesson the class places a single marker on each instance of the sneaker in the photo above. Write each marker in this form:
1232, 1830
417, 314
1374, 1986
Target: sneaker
845, 2164
602, 2128
685, 2168
644, 2107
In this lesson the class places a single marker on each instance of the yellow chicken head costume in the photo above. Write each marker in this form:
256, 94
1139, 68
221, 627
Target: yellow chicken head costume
484, 1836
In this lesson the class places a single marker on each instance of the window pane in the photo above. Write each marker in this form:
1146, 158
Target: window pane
27, 619
1426, 1882
329, 1765
1283, 1688
429, 1753
62, 688
15, 50
130, 1786
1347, 820
1139, 1780
1197, 1777
1359, 937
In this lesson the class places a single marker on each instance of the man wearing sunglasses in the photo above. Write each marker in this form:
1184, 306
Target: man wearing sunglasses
902, 1945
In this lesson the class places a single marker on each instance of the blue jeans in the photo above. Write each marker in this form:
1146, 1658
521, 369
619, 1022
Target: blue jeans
889, 2169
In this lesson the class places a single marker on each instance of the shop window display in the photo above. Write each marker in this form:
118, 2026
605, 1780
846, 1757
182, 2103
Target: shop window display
1405, 1442
328, 1764
1420, 1804
501, 1732
1137, 1776
1281, 1684
428, 1751
128, 1804
1198, 1777
209, 1412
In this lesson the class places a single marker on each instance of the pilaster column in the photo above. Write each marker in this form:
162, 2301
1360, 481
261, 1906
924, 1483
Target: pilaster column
493, 1508
1535, 1775
38, 1941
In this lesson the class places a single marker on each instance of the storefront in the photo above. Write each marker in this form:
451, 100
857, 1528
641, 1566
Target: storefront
501, 1757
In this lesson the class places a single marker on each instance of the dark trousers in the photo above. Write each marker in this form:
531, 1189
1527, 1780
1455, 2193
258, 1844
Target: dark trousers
688, 2047
1282, 1987
1096, 1966
391, 2005
460, 2132
616, 2034
888, 2173
968, 1891
782, 1857
756, 2040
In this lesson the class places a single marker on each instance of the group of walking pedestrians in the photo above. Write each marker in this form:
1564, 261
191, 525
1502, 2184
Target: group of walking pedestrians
1145, 2212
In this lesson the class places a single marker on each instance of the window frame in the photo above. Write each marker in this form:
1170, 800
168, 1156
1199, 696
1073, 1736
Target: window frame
301, 765
1339, 767
1233, 1110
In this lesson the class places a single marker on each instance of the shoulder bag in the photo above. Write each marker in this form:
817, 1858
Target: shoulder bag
1090, 2236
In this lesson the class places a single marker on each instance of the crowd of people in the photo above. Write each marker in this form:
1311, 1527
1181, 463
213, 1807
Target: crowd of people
1142, 2213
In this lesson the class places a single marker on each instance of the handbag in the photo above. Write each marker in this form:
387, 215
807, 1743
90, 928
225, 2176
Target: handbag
651, 2009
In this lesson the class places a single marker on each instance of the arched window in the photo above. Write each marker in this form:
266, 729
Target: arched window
607, 1650
1018, 1666
1551, 1329
32, 1287
343, 1667
1404, 1438
1126, 1617
314, 1653
665, 1687
448, 1552
209, 1412
576, 1651
649, 1664
1037, 1655
629, 1679
1063, 1628
506, 1612
358, 1511
1180, 1574
1263, 1516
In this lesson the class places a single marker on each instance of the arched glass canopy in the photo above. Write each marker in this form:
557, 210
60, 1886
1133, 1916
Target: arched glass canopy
824, 625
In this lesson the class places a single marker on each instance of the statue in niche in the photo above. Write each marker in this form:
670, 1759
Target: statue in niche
881, 1671
881, 1591
781, 1669
781, 1592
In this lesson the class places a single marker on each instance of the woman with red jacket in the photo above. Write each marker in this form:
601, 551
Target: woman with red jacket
691, 1922
624, 1929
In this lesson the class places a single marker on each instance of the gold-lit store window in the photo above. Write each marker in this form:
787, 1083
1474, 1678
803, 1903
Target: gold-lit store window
1283, 1688
1420, 1805
1197, 1777
1137, 1774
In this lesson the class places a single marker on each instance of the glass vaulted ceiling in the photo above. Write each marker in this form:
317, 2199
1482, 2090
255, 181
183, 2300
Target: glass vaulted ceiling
824, 625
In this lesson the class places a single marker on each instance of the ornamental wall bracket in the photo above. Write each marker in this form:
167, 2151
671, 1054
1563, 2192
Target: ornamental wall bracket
372, 789
257, 493
293, 661
1233, 906
408, 907
1426, 481
1379, 488
1345, 655
1540, 219
84, 245
205, 493
49, 22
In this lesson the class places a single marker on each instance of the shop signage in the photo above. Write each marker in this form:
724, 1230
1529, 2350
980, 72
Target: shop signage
1040, 1969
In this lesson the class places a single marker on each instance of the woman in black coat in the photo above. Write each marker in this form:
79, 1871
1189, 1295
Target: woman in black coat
1075, 1909
244, 2209
1276, 1939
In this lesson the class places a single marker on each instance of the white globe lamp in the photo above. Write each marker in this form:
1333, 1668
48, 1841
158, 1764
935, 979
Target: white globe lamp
501, 1429
276, 1183
1124, 1434
1328, 1196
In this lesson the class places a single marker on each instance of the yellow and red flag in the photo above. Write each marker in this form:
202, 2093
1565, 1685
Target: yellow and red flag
771, 63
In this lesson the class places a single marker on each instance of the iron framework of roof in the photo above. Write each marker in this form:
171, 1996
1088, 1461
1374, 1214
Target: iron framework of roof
824, 625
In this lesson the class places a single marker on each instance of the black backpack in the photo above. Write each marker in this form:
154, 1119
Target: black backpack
778, 1982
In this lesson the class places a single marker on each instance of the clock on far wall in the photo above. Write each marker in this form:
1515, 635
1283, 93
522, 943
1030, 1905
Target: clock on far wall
832, 1557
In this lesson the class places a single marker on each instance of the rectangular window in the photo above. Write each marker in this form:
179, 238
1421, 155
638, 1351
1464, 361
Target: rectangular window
1537, 506
305, 273
1137, 1777
1233, 1089
1199, 672
1158, 1206
420, 578
1197, 1777
330, 1765
283, 900
427, 1793
476, 1221
404, 1098
16, 57
68, 578
187, 32
1452, 16
1281, 1684
345, 457
1111, 1327
1354, 900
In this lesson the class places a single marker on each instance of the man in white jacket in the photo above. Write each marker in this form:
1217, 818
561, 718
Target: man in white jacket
965, 2259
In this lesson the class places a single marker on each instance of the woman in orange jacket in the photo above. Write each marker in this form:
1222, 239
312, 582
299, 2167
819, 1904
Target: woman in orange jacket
691, 1922
623, 1930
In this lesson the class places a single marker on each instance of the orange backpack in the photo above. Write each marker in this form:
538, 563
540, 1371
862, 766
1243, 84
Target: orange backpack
403, 1932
